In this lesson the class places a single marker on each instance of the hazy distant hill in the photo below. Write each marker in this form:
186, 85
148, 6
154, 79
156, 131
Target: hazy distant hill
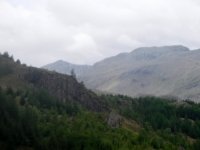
66, 68
160, 71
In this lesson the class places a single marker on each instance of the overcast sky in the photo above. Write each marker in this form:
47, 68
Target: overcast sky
85, 31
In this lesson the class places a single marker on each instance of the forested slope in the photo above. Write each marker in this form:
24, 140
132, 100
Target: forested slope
34, 115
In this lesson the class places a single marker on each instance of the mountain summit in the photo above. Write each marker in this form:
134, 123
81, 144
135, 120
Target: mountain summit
163, 49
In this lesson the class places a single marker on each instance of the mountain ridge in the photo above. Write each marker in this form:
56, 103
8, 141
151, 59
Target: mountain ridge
160, 71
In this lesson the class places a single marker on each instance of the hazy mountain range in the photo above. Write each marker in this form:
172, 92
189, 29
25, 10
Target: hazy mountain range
160, 71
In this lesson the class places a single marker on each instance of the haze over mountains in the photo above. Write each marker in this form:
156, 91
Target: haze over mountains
66, 68
160, 71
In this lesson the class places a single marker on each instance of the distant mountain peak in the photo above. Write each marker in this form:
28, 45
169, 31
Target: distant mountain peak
161, 49
61, 61
64, 67
157, 52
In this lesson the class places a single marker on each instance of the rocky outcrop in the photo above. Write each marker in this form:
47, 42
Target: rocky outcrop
114, 120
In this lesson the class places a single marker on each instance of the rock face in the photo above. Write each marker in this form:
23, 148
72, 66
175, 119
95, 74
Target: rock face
114, 120
64, 87
160, 71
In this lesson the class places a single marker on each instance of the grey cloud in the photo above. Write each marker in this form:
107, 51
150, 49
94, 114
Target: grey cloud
42, 31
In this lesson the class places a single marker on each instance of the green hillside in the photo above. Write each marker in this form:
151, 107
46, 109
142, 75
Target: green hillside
46, 110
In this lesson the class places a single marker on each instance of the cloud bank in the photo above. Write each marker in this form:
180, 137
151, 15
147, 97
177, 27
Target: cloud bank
82, 32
